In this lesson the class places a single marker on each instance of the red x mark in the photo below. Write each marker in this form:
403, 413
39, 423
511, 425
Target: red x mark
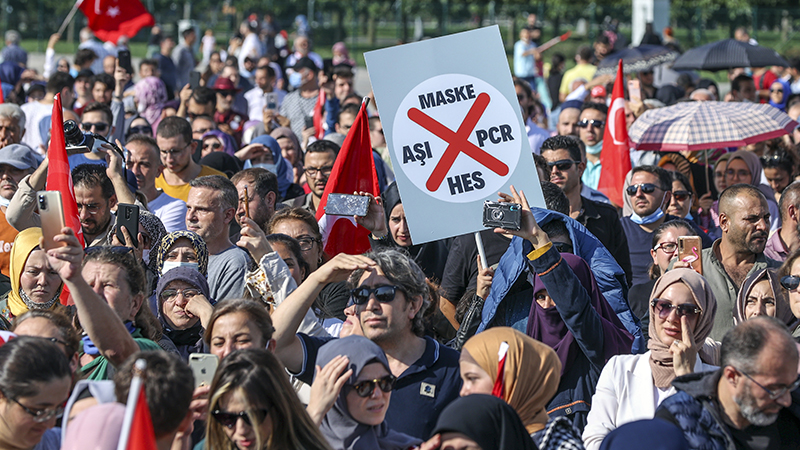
458, 142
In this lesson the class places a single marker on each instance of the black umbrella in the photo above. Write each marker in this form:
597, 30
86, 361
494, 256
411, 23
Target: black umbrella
728, 54
636, 59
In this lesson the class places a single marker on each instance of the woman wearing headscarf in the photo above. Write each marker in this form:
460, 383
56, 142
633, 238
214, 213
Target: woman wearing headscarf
291, 151
480, 422
682, 310
273, 160
341, 55
217, 141
779, 94
708, 211
152, 232
184, 309
179, 249
662, 436
745, 167
150, 94
527, 378
761, 295
350, 397
34, 285
569, 314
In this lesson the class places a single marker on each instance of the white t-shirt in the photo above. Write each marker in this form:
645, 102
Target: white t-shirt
34, 113
257, 100
170, 210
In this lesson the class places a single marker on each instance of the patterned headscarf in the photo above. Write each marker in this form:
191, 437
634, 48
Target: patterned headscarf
197, 243
150, 96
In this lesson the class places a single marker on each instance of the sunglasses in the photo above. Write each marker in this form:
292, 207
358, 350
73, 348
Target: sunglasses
226, 93
776, 90
664, 309
229, 419
99, 126
367, 387
140, 130
562, 165
214, 146
775, 160
384, 294
585, 123
681, 195
169, 294
790, 282
647, 188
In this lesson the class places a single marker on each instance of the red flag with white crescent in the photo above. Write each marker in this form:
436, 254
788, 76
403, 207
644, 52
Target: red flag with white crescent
615, 158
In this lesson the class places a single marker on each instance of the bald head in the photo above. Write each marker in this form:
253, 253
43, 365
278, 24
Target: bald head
745, 343
729, 200
790, 197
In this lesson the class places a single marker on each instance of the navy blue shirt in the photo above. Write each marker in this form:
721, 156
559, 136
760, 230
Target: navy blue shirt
421, 392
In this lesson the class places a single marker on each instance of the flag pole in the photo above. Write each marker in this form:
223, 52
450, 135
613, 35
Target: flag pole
69, 16
365, 102
130, 408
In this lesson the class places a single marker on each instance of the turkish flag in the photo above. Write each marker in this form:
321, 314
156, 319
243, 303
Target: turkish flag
615, 158
59, 175
319, 108
110, 19
142, 436
354, 170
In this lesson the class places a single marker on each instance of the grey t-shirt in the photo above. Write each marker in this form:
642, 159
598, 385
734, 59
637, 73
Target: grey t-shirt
226, 272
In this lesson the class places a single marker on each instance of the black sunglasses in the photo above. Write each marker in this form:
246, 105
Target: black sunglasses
99, 126
140, 130
790, 282
562, 165
595, 123
384, 294
647, 188
664, 308
367, 387
229, 419
681, 195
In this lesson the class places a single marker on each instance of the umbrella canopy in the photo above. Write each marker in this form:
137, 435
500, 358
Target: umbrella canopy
703, 125
728, 54
636, 59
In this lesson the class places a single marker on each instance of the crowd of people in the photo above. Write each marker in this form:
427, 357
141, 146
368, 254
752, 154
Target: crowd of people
584, 328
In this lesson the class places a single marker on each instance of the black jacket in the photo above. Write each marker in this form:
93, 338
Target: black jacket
603, 221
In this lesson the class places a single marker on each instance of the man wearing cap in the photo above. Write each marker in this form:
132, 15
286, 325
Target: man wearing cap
228, 120
16, 161
298, 106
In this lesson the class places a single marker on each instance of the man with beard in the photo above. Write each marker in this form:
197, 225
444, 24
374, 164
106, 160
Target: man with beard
749, 402
145, 163
787, 238
744, 221
174, 138
262, 194
319, 159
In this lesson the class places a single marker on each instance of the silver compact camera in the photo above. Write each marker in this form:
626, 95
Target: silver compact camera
502, 215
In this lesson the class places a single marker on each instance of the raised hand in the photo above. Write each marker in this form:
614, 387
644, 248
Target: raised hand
326, 387
375, 220
684, 351
253, 239
67, 259
529, 229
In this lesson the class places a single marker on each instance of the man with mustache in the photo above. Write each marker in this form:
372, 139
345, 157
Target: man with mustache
744, 221
16, 161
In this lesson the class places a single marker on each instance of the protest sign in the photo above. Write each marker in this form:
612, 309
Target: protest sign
454, 129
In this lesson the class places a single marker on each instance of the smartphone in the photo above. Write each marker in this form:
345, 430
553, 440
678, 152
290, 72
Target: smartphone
634, 91
128, 217
689, 250
347, 205
271, 100
51, 211
124, 58
194, 79
204, 366
309, 122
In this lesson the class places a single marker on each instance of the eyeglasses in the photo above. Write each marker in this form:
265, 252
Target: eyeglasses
169, 294
681, 195
140, 130
99, 126
562, 165
585, 123
312, 171
737, 173
91, 208
367, 387
384, 294
773, 395
665, 308
719, 174
306, 242
667, 247
647, 188
229, 419
39, 415
213, 145
174, 151
790, 282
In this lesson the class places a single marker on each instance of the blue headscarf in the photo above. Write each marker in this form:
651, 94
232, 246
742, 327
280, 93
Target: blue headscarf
787, 91
285, 173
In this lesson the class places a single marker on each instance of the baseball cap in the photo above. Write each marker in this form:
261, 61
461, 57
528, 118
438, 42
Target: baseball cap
19, 155
599, 91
